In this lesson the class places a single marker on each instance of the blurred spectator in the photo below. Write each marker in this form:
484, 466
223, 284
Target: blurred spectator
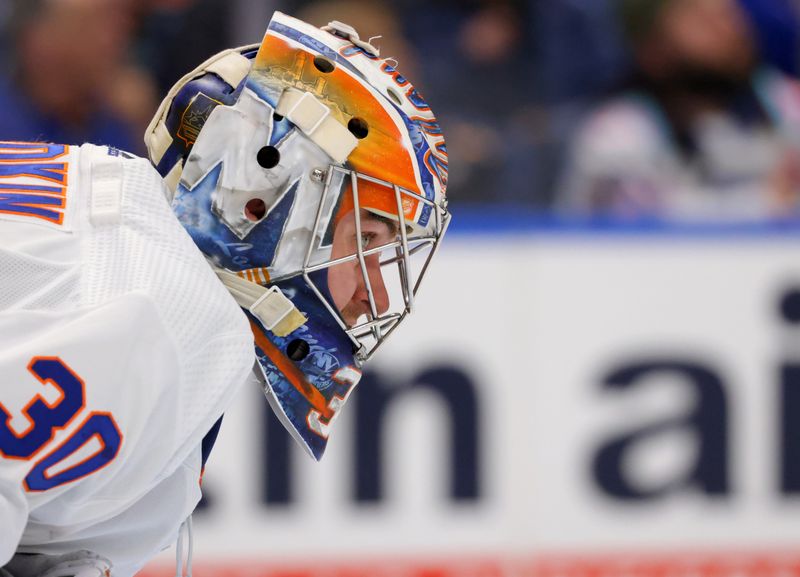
474, 72
173, 37
703, 133
70, 80
479, 73
375, 19
579, 52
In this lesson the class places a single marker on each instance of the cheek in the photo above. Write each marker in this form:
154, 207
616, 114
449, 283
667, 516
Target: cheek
342, 284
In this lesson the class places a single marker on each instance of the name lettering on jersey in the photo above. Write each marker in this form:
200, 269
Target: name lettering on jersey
33, 182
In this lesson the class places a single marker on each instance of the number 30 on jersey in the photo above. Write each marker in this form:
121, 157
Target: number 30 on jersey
93, 444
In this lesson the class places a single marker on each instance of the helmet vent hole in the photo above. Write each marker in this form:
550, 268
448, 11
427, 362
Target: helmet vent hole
394, 97
297, 350
358, 127
277, 117
255, 209
323, 65
268, 157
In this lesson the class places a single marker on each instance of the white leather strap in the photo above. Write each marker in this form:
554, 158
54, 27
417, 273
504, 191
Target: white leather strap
173, 177
307, 113
272, 307
229, 65
106, 201
314, 119
269, 305
232, 67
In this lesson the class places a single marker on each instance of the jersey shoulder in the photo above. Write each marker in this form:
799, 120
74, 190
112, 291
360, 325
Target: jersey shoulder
119, 347
121, 296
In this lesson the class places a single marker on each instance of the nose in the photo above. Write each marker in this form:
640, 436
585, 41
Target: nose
379, 292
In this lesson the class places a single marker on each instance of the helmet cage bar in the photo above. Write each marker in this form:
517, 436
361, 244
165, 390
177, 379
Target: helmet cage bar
402, 253
421, 243
325, 188
376, 330
385, 321
444, 221
372, 333
366, 352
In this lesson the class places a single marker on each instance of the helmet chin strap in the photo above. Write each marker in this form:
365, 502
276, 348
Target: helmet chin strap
269, 305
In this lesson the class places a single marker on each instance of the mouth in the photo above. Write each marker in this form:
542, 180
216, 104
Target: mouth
354, 311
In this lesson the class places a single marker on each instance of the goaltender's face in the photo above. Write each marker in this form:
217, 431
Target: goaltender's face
345, 280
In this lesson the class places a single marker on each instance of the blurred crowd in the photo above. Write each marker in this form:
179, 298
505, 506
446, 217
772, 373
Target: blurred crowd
624, 109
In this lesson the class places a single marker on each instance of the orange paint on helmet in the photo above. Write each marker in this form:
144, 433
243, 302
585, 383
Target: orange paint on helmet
384, 153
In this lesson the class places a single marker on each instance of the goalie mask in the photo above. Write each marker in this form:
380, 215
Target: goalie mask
312, 175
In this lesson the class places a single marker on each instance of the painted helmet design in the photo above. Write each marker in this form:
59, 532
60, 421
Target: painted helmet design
312, 175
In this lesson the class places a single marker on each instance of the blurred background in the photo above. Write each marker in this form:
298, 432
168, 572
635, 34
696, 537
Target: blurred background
602, 376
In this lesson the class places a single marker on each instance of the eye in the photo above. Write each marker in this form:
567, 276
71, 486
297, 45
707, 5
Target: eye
366, 238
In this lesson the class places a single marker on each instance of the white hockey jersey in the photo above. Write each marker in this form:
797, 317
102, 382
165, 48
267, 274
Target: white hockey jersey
119, 350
